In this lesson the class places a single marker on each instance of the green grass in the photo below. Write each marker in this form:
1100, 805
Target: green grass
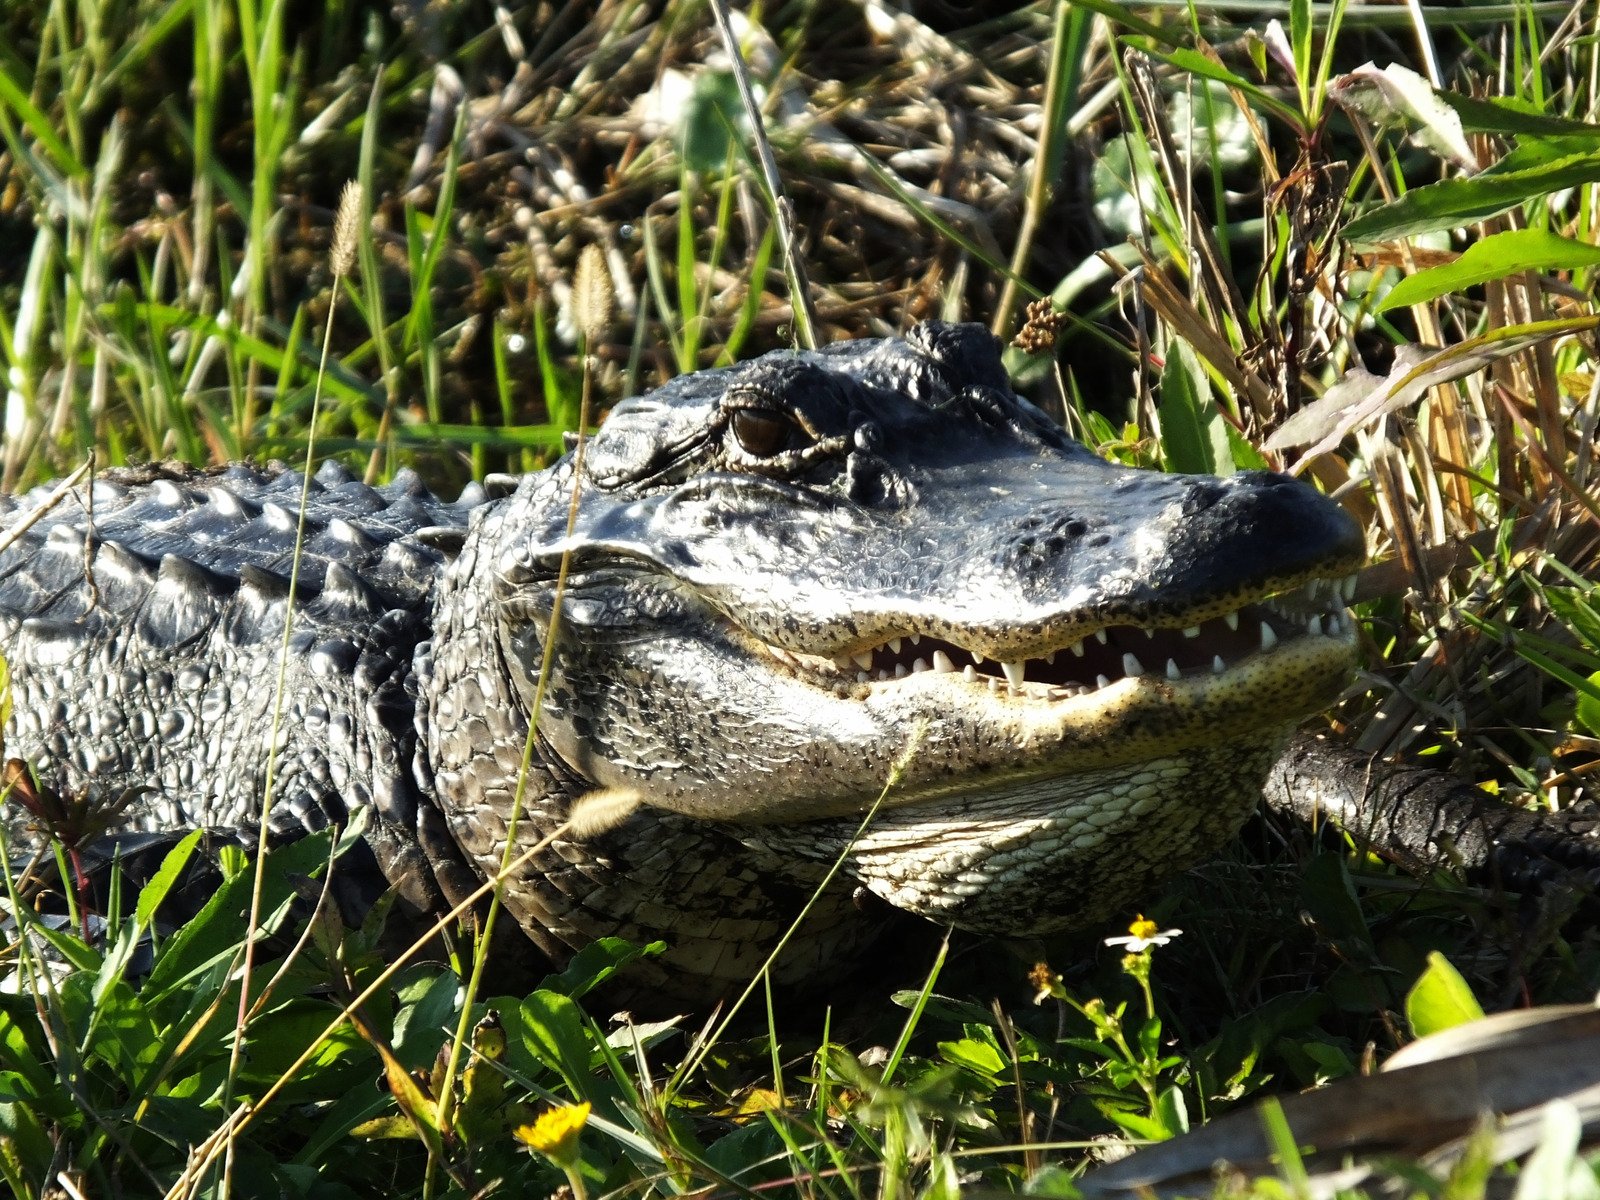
167, 194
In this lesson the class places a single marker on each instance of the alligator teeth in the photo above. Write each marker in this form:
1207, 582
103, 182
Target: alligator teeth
863, 660
1050, 658
1233, 621
1314, 626
894, 645
916, 639
942, 663
863, 677
1149, 632
1013, 672
1347, 588
843, 661
1217, 665
1268, 638
920, 665
1131, 665
1101, 681
900, 670
1077, 648
1172, 669
1100, 636
970, 673
1192, 631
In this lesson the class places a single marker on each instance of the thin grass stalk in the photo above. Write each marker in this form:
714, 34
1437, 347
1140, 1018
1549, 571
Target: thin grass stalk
794, 269
1067, 36
591, 305
344, 248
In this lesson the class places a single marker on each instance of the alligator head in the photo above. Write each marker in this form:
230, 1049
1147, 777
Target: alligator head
790, 579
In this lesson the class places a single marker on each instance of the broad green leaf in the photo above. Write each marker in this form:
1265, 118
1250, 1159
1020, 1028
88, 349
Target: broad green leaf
1494, 257
1523, 175
553, 1032
1440, 999
1194, 437
974, 1055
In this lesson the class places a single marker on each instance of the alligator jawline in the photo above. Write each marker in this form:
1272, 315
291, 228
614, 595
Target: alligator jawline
1104, 658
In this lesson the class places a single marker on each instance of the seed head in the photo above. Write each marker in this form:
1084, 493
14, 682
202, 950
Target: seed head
346, 228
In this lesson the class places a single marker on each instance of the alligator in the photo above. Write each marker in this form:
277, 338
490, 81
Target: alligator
863, 581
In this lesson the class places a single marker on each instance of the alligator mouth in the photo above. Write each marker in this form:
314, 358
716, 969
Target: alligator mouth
1089, 662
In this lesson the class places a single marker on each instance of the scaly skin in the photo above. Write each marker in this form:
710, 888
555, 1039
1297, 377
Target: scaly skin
785, 577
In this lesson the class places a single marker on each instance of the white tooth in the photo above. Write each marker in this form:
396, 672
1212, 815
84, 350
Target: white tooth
1233, 621
970, 673
881, 674
894, 645
1268, 638
920, 665
1217, 665
843, 662
863, 660
1131, 665
994, 683
779, 653
1314, 626
1100, 636
899, 670
863, 677
941, 662
1101, 681
916, 639
1347, 588
1192, 631
1172, 669
976, 657
1013, 672
1149, 632
1050, 658
1077, 649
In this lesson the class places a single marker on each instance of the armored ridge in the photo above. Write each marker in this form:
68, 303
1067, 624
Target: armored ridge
785, 577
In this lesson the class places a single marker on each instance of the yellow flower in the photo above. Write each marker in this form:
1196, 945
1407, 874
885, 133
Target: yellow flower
555, 1133
1143, 934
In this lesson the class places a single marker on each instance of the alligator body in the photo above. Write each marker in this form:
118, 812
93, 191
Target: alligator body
785, 581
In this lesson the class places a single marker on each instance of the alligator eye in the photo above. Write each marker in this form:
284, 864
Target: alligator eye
761, 432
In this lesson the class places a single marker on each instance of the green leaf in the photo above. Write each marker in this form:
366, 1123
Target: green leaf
1440, 999
1588, 711
217, 930
1524, 175
154, 892
596, 963
974, 1056
711, 119
553, 1032
1506, 115
1494, 257
1194, 437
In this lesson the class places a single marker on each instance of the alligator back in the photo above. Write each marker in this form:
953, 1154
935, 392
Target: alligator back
143, 623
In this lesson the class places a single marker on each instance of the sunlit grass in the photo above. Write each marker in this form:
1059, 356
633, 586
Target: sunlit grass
166, 197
